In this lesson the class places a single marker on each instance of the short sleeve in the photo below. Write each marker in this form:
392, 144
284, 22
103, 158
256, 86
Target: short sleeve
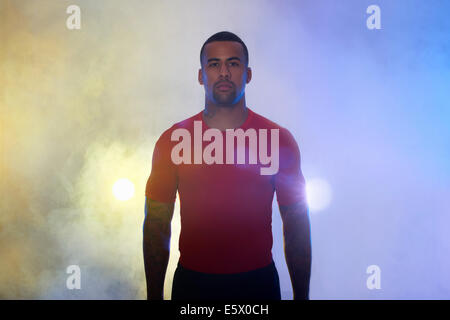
163, 180
289, 181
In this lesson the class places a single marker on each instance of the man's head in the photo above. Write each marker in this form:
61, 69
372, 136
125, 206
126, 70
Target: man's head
224, 68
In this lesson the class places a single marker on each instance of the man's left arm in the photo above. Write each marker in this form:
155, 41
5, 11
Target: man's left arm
297, 247
290, 186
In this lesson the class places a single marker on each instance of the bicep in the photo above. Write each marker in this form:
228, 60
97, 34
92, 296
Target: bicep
289, 182
162, 183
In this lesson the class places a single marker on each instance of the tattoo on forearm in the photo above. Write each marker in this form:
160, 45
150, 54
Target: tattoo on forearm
156, 245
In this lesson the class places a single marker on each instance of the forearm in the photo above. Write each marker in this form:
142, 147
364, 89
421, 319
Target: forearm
156, 246
297, 247
299, 266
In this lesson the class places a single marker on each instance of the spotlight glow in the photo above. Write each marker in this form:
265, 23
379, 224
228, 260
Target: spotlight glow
318, 194
123, 189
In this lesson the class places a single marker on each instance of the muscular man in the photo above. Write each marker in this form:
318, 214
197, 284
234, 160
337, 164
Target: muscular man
225, 205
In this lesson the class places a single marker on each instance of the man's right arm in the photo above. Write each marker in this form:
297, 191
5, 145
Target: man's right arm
156, 245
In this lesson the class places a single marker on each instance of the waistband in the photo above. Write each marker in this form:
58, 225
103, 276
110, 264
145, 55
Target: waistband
270, 267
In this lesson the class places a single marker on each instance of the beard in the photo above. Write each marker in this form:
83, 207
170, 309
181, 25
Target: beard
225, 98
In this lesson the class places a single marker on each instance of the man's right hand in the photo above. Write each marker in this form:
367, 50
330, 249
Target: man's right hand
156, 245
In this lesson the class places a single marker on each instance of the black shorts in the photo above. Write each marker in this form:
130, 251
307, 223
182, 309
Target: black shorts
259, 284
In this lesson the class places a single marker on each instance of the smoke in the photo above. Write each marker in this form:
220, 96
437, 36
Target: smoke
68, 132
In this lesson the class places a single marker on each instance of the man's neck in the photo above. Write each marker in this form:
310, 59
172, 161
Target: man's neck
225, 117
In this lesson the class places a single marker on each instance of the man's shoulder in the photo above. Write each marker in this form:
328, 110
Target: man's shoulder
261, 121
186, 124
287, 140
258, 121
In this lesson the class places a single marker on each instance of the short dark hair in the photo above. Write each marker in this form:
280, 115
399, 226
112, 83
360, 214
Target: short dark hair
224, 36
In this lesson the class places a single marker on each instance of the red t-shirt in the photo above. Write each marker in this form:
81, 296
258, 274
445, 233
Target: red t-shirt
226, 209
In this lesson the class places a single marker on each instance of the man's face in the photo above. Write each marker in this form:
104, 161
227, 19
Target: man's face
224, 73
